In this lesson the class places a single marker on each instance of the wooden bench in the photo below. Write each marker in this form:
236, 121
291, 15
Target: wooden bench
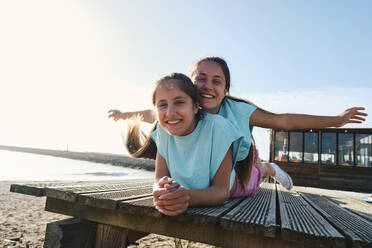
109, 214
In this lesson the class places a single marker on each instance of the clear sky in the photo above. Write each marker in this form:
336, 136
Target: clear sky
64, 64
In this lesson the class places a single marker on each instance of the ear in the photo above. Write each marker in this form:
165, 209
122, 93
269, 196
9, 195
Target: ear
196, 108
226, 92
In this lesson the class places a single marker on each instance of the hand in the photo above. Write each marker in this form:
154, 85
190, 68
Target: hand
164, 185
173, 202
167, 183
115, 114
351, 115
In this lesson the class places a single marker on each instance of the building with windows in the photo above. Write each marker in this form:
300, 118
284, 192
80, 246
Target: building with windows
332, 158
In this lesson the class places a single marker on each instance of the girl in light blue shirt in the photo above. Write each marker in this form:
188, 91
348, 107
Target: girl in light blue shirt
196, 152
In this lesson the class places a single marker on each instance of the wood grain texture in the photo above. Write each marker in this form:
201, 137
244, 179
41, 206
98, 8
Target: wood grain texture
354, 227
255, 215
165, 225
300, 223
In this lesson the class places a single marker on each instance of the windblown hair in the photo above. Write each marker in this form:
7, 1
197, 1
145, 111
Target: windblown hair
243, 168
140, 145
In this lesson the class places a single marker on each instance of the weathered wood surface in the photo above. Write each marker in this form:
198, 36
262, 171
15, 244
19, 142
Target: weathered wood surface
66, 188
302, 224
166, 225
275, 217
353, 226
72, 233
254, 215
111, 236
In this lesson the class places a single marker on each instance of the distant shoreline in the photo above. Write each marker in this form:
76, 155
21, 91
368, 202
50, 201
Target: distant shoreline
114, 159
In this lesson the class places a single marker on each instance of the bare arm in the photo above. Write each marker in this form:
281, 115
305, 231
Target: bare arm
146, 115
262, 118
216, 194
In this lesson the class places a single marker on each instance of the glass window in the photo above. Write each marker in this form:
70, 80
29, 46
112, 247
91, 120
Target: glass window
328, 155
311, 148
295, 147
281, 146
345, 149
363, 143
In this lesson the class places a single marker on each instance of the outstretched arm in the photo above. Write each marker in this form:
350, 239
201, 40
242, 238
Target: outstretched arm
146, 115
176, 202
262, 118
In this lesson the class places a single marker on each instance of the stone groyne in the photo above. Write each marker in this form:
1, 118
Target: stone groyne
106, 158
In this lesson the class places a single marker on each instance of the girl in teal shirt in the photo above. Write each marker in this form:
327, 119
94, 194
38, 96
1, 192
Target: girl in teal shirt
196, 152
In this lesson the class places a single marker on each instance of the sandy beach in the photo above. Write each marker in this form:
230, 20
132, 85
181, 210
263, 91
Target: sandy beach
23, 223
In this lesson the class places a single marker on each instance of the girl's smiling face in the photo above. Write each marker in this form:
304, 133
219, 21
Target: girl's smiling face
211, 85
175, 109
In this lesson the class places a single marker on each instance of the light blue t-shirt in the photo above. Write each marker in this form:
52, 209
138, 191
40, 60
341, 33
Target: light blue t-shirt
194, 159
239, 114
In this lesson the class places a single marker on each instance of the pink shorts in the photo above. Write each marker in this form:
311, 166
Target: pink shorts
253, 184
254, 180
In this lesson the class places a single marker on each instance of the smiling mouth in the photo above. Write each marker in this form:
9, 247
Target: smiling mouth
207, 96
173, 122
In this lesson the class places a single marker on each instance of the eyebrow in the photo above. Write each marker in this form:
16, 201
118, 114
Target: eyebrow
176, 98
215, 76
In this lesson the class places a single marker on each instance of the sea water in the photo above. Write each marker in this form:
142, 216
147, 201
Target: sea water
26, 166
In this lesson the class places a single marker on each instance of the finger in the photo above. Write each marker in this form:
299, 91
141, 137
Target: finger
165, 203
171, 213
355, 109
172, 195
361, 113
358, 118
175, 207
159, 192
171, 187
354, 122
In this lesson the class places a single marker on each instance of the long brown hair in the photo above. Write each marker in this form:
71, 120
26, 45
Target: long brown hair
147, 148
243, 168
140, 145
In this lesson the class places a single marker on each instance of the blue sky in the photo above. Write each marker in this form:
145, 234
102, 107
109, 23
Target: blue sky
63, 64
275, 45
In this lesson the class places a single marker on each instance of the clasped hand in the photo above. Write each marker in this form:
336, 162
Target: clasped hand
170, 198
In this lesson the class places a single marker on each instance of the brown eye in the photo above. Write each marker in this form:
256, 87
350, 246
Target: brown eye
161, 105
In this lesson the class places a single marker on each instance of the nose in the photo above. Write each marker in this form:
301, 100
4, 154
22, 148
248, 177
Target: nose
207, 84
171, 110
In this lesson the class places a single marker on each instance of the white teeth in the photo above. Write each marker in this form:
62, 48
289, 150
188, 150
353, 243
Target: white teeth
207, 96
173, 122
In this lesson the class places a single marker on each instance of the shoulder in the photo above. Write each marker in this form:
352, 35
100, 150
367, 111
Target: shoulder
238, 104
215, 121
241, 108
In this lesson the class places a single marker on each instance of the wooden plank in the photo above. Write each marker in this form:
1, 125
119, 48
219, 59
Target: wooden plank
202, 215
255, 215
70, 193
345, 199
109, 200
72, 233
165, 225
39, 188
300, 223
354, 227
111, 236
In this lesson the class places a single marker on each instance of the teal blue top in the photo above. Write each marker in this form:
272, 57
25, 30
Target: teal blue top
239, 114
194, 159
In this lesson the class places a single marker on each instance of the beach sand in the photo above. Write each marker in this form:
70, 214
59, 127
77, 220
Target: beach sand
23, 223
